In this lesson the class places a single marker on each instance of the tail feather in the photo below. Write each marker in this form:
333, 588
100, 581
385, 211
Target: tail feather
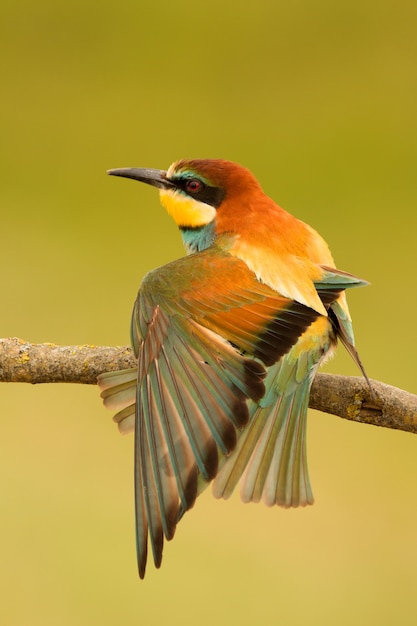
287, 483
271, 457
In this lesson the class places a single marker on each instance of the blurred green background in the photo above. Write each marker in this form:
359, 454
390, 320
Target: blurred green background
318, 99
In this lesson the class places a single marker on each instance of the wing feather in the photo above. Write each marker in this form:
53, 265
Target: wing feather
192, 392
203, 328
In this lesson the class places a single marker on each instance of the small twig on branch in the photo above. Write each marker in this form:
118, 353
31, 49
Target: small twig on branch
344, 396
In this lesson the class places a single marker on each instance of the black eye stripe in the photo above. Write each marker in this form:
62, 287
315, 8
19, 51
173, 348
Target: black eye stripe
213, 196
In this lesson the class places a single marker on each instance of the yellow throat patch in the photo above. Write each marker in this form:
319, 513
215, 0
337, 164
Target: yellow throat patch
186, 212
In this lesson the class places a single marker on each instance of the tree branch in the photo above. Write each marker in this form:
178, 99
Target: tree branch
345, 396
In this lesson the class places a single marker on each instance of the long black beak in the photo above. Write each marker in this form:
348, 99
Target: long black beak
156, 178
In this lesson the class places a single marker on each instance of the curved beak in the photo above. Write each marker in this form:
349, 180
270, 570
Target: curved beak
156, 178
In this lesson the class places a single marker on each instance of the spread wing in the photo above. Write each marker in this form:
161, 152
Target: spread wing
197, 325
203, 327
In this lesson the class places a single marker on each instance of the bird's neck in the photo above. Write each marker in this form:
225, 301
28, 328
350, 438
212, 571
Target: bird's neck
197, 238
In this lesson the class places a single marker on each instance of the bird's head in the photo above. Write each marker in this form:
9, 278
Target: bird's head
193, 191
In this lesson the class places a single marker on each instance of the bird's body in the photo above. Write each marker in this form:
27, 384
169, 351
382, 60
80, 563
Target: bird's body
228, 341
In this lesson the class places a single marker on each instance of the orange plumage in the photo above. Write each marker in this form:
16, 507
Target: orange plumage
228, 340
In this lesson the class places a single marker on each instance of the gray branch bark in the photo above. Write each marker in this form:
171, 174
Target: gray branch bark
344, 396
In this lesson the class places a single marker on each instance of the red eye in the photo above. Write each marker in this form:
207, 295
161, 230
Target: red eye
193, 185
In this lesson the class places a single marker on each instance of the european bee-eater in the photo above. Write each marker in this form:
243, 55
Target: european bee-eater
228, 340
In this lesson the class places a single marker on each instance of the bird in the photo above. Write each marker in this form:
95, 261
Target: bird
228, 339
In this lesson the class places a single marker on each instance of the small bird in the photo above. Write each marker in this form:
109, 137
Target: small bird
228, 340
